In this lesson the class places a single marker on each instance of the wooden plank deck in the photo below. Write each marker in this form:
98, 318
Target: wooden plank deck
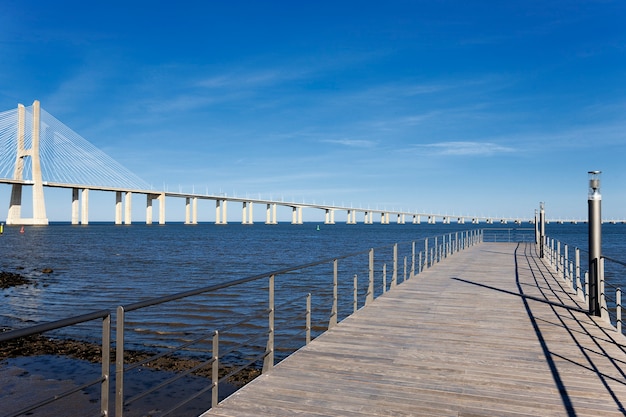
480, 334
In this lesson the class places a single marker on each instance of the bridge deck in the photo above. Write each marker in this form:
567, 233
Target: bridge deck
458, 340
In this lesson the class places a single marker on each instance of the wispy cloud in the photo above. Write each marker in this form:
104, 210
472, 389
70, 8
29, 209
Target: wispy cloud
461, 148
353, 143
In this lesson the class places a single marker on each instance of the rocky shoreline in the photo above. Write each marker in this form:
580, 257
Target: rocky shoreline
40, 345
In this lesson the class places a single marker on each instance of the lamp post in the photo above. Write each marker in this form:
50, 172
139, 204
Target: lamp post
595, 242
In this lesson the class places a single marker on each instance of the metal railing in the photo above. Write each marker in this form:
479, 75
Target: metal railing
575, 273
611, 301
103, 380
262, 348
509, 234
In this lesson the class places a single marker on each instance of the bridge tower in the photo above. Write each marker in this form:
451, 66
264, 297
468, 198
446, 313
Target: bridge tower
14, 216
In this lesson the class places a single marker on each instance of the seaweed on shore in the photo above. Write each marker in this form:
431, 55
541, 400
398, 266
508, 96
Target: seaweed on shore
40, 345
10, 279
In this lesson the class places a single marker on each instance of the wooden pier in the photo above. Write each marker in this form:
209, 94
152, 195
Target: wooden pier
490, 331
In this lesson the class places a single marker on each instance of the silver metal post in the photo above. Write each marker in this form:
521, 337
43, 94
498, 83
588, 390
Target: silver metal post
536, 228
215, 368
370, 286
333, 312
426, 253
106, 365
308, 319
405, 269
595, 242
412, 274
542, 229
618, 309
356, 294
119, 362
394, 276
384, 278
268, 363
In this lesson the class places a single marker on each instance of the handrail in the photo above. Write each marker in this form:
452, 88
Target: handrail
103, 380
611, 307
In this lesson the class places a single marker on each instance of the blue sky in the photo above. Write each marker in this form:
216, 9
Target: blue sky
456, 107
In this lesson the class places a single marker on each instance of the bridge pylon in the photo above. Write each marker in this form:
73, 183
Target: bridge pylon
14, 216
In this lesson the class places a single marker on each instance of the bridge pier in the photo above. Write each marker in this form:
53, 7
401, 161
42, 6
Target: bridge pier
220, 212
296, 215
118, 207
75, 207
351, 216
329, 217
80, 206
246, 215
128, 208
84, 206
191, 210
270, 214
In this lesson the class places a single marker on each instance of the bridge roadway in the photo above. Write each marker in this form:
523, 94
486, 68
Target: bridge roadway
490, 331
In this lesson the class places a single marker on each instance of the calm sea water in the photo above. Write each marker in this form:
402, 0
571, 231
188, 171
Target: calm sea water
102, 266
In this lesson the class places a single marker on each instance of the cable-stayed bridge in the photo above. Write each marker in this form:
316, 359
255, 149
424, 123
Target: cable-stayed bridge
37, 150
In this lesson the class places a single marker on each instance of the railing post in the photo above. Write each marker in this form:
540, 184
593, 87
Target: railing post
436, 248
595, 242
355, 302
384, 278
618, 310
268, 363
542, 229
587, 287
603, 306
215, 371
333, 313
106, 365
558, 256
370, 285
579, 290
308, 319
405, 269
394, 276
119, 362
412, 274
426, 253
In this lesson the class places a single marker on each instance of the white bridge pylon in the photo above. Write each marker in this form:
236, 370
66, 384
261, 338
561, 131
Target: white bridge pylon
38, 151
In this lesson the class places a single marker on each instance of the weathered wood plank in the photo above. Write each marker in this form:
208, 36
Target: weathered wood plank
488, 331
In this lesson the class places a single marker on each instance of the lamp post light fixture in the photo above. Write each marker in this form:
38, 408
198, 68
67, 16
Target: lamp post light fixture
595, 242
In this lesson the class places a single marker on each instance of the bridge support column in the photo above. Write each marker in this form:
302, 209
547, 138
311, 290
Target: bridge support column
221, 215
187, 210
149, 210
161, 199
194, 210
296, 215
270, 214
75, 206
329, 216
118, 207
246, 215
351, 216
191, 210
128, 208
84, 206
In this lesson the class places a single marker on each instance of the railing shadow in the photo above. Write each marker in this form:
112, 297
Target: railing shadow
567, 315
